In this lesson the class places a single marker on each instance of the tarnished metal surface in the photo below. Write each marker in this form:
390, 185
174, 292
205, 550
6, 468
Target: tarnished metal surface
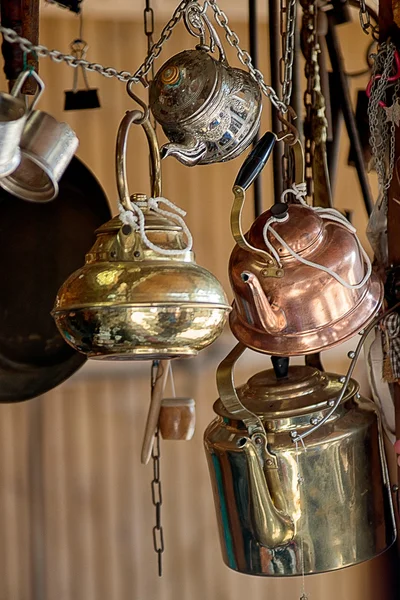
47, 148
210, 111
320, 312
335, 489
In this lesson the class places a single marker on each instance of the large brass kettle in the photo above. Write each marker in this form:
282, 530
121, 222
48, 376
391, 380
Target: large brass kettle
140, 294
284, 509
301, 280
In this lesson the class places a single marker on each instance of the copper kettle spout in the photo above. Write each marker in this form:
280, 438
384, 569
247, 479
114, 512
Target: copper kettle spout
189, 153
272, 528
272, 318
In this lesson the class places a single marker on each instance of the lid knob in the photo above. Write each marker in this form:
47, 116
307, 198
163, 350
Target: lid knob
279, 210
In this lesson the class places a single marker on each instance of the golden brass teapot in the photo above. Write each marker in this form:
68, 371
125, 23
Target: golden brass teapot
283, 508
140, 294
302, 281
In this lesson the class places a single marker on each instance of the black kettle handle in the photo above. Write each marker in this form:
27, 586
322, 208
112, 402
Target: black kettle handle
255, 162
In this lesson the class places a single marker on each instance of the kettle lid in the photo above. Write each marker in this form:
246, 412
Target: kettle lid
304, 390
182, 86
301, 230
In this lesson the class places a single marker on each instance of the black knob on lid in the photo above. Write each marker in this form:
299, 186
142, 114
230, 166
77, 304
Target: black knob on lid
279, 210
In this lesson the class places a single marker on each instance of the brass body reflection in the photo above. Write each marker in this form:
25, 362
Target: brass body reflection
130, 301
342, 511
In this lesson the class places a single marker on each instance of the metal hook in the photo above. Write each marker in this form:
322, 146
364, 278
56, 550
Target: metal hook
139, 101
289, 131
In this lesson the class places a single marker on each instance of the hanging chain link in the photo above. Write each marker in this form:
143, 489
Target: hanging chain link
148, 21
315, 123
156, 491
245, 58
382, 136
220, 17
288, 17
42, 52
288, 26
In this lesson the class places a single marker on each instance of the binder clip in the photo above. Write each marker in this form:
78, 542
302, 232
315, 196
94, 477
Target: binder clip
80, 99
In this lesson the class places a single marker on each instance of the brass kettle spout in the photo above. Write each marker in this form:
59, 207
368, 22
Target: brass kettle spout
272, 528
272, 318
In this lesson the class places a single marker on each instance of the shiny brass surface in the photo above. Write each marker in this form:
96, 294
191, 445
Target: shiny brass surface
340, 514
129, 301
319, 311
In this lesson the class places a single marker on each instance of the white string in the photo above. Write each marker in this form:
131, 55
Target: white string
134, 217
299, 192
300, 482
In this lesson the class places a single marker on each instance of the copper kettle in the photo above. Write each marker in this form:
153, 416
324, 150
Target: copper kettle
283, 509
301, 280
140, 294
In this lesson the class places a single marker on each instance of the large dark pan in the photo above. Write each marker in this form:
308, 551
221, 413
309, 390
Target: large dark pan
40, 246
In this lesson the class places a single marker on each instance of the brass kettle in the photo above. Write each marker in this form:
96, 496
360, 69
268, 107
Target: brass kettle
140, 294
283, 509
209, 111
302, 282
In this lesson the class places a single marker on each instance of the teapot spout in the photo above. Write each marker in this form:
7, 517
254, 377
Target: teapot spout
189, 153
272, 318
272, 527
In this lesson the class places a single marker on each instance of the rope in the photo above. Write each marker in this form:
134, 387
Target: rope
300, 191
134, 217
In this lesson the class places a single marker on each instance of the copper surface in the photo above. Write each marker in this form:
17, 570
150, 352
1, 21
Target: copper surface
319, 311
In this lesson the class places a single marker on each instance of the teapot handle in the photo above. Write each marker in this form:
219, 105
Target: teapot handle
140, 118
250, 169
228, 395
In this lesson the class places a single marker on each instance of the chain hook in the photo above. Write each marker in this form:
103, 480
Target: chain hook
289, 133
141, 103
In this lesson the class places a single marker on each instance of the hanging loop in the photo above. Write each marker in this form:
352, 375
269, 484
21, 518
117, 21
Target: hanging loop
289, 133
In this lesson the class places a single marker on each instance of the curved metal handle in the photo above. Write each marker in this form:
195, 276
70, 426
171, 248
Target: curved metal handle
228, 395
214, 37
248, 172
140, 118
20, 82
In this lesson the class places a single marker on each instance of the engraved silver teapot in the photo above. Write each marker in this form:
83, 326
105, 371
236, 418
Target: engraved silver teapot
209, 111
285, 508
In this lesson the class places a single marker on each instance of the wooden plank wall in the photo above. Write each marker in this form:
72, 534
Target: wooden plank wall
75, 509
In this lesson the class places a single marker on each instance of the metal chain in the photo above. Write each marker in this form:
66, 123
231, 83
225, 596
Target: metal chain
148, 21
315, 123
42, 52
220, 17
245, 58
288, 26
156, 491
382, 136
365, 20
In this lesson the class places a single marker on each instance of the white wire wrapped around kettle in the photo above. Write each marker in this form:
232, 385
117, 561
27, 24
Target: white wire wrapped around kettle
300, 191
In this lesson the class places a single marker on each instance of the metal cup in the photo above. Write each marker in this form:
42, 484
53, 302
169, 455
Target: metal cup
47, 147
13, 116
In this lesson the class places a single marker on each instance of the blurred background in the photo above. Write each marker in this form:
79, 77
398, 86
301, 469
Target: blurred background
76, 514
